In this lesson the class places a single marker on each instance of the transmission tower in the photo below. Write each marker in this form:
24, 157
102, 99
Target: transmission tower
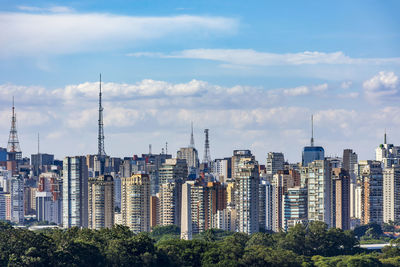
13, 148
207, 157
101, 152
192, 138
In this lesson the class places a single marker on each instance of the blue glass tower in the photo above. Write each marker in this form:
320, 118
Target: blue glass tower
311, 153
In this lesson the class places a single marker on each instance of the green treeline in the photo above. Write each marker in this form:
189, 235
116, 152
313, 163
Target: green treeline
314, 245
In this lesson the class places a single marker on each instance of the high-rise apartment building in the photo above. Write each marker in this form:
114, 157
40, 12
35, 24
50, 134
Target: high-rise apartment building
350, 161
371, 181
391, 194
294, 207
173, 169
186, 223
170, 197
75, 192
318, 177
265, 214
101, 202
135, 206
17, 200
275, 162
247, 183
341, 198
190, 155
222, 169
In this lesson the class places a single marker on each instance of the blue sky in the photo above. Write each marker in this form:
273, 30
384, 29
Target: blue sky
253, 72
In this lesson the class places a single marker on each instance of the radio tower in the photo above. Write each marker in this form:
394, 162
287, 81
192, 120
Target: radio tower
207, 157
101, 152
13, 148
312, 130
192, 138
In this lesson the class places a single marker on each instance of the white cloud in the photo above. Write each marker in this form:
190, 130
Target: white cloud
302, 90
346, 84
33, 34
255, 58
381, 85
154, 112
52, 9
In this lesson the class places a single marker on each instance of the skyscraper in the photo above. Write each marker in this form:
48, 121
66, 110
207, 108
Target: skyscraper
135, 206
275, 162
191, 156
265, 214
75, 192
170, 203
101, 202
186, 223
341, 198
294, 207
391, 194
371, 181
319, 186
17, 200
312, 153
247, 179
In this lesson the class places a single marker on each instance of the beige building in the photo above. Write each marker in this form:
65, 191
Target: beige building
170, 196
391, 194
135, 202
101, 202
186, 218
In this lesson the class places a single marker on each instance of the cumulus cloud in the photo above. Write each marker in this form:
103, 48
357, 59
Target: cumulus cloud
305, 90
383, 84
251, 57
52, 33
153, 111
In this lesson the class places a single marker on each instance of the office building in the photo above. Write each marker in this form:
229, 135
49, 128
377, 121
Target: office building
40, 160
101, 202
135, 205
312, 153
75, 192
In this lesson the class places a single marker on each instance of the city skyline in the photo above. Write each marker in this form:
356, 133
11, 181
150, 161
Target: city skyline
252, 84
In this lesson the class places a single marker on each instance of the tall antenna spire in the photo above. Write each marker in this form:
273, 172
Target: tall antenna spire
207, 157
166, 147
101, 152
312, 130
384, 138
13, 148
192, 138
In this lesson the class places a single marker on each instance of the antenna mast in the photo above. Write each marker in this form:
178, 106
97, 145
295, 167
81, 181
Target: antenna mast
192, 138
312, 130
207, 157
13, 148
101, 152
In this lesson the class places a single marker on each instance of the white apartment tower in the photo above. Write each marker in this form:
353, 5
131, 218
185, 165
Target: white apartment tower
391, 194
75, 192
